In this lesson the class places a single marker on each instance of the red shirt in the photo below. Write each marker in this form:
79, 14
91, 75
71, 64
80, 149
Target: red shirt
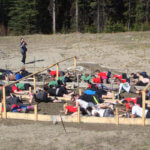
96, 80
117, 76
71, 108
53, 73
129, 100
14, 88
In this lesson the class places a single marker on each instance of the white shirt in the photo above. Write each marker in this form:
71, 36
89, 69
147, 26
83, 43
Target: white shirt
125, 86
99, 111
138, 111
85, 104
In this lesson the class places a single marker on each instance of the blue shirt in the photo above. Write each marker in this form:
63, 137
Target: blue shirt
18, 76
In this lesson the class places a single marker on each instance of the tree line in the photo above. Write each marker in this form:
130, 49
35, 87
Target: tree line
64, 16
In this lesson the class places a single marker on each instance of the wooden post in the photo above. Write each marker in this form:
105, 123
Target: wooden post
0, 110
35, 113
57, 71
4, 102
143, 112
75, 62
117, 117
30, 90
80, 92
78, 115
34, 80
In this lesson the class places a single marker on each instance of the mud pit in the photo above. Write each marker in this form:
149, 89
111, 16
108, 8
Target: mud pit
19, 134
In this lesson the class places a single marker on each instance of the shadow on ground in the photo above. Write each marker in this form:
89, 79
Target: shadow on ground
32, 62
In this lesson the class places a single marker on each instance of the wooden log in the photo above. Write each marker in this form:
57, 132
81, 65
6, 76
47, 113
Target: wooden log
0, 110
57, 71
143, 111
35, 113
4, 102
34, 84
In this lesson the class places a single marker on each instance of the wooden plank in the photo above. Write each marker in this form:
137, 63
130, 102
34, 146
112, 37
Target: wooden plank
75, 62
143, 111
4, 102
35, 113
78, 115
117, 117
41, 117
57, 71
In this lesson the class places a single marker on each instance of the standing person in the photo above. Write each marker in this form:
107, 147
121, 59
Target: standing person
23, 49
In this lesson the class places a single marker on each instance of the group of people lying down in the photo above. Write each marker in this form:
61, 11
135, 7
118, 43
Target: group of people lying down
93, 100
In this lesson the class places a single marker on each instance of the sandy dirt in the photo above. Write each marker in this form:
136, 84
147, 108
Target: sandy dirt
125, 52
16, 134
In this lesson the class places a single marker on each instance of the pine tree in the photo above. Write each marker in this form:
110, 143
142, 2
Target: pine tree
23, 17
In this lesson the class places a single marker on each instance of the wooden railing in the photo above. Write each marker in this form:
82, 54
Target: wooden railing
34, 79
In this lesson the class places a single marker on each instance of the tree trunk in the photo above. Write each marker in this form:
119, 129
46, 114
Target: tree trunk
129, 15
54, 18
98, 17
77, 16
147, 11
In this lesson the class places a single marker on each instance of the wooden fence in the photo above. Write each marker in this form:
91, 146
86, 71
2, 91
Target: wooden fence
39, 117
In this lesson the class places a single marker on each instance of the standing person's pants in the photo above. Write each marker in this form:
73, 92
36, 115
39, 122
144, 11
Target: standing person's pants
24, 57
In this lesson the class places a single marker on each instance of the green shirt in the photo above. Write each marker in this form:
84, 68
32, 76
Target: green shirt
89, 78
0, 73
54, 83
20, 86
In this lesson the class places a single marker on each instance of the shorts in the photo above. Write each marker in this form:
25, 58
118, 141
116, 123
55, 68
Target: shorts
133, 89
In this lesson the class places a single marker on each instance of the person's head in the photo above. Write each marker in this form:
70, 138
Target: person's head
124, 102
132, 75
96, 114
22, 69
45, 88
138, 74
74, 97
48, 71
97, 72
118, 81
131, 104
22, 39
86, 75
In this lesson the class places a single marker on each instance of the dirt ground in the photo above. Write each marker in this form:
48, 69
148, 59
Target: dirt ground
119, 52
16, 134
125, 52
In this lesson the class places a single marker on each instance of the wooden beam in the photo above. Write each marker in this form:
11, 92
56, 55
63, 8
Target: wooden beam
34, 84
78, 115
117, 117
105, 120
4, 102
35, 113
57, 71
75, 62
143, 110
